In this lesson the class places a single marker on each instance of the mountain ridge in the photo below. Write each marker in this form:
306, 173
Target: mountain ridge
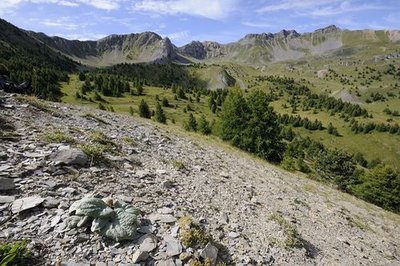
253, 49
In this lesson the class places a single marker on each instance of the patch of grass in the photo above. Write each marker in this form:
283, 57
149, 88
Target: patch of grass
95, 118
192, 234
101, 138
35, 102
293, 238
95, 152
15, 253
5, 124
359, 224
178, 165
7, 129
59, 137
129, 140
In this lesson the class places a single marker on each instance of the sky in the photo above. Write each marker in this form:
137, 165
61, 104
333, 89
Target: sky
187, 20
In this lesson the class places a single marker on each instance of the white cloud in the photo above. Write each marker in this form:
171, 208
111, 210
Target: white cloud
100, 4
295, 4
63, 22
179, 37
320, 8
82, 36
258, 24
7, 5
213, 9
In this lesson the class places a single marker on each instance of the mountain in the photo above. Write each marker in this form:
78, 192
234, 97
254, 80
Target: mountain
252, 49
264, 48
16, 43
115, 49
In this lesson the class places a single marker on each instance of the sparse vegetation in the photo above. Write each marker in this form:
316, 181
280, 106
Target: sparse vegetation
15, 253
191, 233
178, 165
59, 137
95, 152
293, 238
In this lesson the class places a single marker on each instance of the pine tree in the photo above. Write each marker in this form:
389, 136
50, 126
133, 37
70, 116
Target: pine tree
144, 110
159, 114
191, 124
165, 102
204, 126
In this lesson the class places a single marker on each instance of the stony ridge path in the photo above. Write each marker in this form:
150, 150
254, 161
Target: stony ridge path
247, 205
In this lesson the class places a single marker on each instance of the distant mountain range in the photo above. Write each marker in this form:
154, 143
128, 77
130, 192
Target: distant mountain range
252, 49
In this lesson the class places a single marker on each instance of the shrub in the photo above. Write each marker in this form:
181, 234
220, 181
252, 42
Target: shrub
293, 238
15, 254
59, 137
159, 115
204, 126
144, 110
191, 124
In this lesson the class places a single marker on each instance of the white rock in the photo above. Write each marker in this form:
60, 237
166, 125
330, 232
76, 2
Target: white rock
174, 247
147, 242
210, 252
139, 256
27, 203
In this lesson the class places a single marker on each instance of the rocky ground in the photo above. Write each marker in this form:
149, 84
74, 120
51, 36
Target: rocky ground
256, 213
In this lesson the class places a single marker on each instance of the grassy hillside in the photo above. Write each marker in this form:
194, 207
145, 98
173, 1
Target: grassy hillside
357, 80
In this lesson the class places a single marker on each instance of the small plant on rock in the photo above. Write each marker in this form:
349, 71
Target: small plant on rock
192, 234
178, 165
293, 238
59, 137
95, 152
112, 219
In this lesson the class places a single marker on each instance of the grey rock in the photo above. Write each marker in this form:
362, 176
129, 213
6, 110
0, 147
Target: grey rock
210, 252
5, 167
6, 199
174, 246
233, 235
168, 262
165, 210
6, 183
55, 221
27, 203
139, 256
224, 218
164, 218
147, 242
73, 263
174, 231
70, 157
51, 202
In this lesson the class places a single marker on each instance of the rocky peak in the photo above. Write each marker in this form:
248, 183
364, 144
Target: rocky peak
287, 34
329, 29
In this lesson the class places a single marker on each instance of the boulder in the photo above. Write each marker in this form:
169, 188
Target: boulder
70, 157
27, 203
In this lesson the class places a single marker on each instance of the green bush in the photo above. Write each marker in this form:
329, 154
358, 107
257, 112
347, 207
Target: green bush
144, 110
381, 186
14, 253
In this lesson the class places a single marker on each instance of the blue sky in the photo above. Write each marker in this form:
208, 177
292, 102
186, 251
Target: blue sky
185, 20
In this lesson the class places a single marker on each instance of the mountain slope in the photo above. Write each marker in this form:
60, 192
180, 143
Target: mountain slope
16, 43
115, 49
252, 49
260, 214
265, 48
